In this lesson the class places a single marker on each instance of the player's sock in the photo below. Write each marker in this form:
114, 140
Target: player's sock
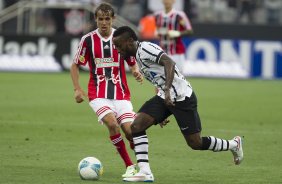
216, 144
120, 146
141, 151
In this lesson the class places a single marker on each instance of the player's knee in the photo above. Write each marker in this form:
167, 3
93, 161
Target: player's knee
135, 127
114, 129
194, 144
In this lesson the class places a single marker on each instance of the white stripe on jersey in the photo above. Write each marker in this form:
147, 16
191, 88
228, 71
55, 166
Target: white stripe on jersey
148, 56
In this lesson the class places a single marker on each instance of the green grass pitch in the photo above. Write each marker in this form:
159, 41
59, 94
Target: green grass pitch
44, 133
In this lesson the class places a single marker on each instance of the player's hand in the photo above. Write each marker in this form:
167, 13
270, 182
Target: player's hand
138, 76
162, 32
173, 34
164, 123
168, 100
79, 95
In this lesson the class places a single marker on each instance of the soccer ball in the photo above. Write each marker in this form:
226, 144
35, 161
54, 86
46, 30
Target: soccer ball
90, 168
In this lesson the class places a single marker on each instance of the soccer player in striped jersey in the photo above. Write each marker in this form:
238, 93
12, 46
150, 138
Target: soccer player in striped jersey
175, 96
171, 25
108, 91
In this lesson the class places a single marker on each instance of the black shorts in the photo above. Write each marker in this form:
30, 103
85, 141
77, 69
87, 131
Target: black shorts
185, 113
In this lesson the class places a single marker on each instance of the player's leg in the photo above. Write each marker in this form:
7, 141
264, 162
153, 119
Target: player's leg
141, 145
152, 112
125, 116
104, 109
126, 128
196, 142
189, 122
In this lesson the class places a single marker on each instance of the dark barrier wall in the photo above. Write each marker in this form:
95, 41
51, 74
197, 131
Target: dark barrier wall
232, 31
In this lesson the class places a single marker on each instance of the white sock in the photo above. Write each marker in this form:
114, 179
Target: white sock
218, 144
141, 148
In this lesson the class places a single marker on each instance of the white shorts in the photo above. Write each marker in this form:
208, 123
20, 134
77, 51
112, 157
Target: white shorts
179, 60
122, 109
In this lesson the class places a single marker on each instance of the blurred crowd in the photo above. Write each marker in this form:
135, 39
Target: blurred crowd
72, 21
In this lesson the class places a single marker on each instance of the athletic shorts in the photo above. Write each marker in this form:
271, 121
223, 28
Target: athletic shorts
122, 109
185, 113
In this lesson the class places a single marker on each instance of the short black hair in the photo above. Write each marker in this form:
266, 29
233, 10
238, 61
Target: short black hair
127, 31
105, 7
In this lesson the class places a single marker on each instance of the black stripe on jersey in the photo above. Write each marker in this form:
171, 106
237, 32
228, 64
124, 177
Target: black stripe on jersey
165, 36
159, 56
89, 47
176, 21
149, 52
173, 87
107, 54
108, 71
142, 62
176, 73
154, 46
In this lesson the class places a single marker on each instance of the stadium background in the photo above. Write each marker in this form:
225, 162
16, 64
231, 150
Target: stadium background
43, 133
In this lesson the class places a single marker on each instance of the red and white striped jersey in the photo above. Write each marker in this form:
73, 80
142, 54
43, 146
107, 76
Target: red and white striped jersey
106, 67
174, 20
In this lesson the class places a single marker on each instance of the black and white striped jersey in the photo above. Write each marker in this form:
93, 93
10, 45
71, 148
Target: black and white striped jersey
148, 55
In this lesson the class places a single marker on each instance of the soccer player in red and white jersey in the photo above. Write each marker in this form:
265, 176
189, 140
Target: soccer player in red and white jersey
108, 91
171, 26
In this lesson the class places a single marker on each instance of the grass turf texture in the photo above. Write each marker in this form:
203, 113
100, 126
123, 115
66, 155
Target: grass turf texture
44, 133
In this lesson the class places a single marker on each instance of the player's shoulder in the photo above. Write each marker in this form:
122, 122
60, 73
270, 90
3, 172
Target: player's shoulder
149, 45
153, 45
88, 34
180, 12
150, 48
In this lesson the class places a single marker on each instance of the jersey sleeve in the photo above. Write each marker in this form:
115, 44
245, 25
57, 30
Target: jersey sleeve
131, 61
151, 52
82, 54
184, 22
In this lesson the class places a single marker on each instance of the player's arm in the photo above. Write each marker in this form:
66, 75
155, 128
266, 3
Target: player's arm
176, 33
136, 73
80, 58
185, 27
79, 94
169, 68
134, 69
